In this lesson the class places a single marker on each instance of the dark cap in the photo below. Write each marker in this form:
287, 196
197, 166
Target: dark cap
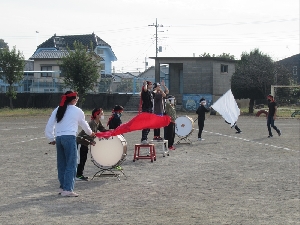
118, 108
202, 99
155, 85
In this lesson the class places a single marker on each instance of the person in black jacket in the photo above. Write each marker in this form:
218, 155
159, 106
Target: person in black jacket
201, 117
272, 116
146, 105
115, 119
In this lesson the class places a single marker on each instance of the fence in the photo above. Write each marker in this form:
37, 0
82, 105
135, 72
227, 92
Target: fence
55, 84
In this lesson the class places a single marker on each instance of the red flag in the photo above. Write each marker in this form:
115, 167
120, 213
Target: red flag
141, 121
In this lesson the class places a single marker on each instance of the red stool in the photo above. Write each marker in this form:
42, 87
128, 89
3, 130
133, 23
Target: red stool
152, 153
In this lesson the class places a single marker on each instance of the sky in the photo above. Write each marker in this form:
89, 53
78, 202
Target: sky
185, 27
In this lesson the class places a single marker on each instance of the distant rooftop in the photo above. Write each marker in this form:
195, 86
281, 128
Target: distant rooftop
64, 41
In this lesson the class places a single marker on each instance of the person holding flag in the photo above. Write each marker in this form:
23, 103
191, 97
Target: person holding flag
227, 107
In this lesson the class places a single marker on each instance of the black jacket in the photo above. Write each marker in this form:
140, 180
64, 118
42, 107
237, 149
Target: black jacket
201, 112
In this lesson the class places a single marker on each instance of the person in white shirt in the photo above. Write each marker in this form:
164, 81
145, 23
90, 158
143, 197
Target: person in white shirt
61, 130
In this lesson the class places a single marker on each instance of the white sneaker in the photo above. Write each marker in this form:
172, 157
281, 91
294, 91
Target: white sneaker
144, 142
69, 194
201, 139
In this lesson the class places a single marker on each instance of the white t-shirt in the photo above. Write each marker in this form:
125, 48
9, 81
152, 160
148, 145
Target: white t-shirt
73, 118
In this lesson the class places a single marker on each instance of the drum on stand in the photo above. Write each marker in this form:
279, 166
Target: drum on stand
184, 127
109, 154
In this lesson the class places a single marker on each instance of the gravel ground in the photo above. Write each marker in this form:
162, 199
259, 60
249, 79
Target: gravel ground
226, 179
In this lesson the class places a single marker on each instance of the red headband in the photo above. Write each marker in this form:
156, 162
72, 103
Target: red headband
64, 97
96, 113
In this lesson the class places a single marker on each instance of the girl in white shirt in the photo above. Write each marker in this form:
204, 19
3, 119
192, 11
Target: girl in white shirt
61, 130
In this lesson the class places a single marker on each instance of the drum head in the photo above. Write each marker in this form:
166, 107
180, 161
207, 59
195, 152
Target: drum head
184, 126
108, 152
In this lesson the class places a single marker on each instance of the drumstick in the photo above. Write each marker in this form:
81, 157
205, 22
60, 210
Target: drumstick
90, 142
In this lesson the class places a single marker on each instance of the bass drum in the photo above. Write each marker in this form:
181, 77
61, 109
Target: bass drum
109, 152
184, 126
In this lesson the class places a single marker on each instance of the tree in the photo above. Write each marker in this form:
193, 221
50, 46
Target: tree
223, 55
81, 70
3, 44
254, 75
12, 64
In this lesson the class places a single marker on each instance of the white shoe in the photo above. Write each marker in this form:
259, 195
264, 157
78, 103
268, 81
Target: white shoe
69, 194
144, 142
201, 139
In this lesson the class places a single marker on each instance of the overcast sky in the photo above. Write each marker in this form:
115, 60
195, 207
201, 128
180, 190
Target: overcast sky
186, 27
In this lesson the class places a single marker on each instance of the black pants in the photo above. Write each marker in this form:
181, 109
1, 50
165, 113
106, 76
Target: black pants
156, 132
169, 133
200, 126
270, 123
237, 128
83, 157
145, 132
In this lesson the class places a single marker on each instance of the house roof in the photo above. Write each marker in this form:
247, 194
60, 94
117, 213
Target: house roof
49, 54
124, 75
54, 54
194, 58
68, 41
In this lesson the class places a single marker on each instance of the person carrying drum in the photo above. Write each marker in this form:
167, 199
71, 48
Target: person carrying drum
61, 130
146, 106
158, 100
84, 140
115, 119
201, 117
169, 131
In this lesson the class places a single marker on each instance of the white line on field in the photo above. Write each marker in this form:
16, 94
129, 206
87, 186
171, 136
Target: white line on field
274, 146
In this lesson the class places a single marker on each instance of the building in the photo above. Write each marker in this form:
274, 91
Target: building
191, 78
293, 65
48, 54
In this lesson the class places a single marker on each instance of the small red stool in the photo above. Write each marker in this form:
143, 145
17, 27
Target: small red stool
152, 153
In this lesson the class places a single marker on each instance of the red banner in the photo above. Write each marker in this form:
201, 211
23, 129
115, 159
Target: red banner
141, 121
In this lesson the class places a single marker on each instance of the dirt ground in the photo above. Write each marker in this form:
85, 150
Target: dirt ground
226, 179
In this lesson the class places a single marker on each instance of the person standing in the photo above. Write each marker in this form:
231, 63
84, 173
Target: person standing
147, 106
115, 119
61, 130
169, 131
159, 109
83, 141
272, 116
201, 117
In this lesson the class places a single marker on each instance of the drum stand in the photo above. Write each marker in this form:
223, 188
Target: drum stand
109, 172
106, 171
186, 139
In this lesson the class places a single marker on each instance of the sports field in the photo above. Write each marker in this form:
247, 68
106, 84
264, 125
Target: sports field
228, 178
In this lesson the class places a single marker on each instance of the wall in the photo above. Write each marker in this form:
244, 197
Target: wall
51, 100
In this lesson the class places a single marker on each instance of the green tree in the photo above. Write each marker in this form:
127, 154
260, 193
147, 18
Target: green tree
226, 56
81, 69
223, 55
254, 75
12, 64
3, 44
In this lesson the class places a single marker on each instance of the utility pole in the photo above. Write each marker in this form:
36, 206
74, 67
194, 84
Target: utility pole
156, 26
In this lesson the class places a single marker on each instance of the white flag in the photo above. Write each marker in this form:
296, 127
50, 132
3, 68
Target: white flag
227, 107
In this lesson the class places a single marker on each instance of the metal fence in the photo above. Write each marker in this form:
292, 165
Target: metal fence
54, 83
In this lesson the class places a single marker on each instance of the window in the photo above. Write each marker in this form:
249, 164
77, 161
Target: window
224, 68
295, 70
46, 68
61, 72
49, 90
99, 51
